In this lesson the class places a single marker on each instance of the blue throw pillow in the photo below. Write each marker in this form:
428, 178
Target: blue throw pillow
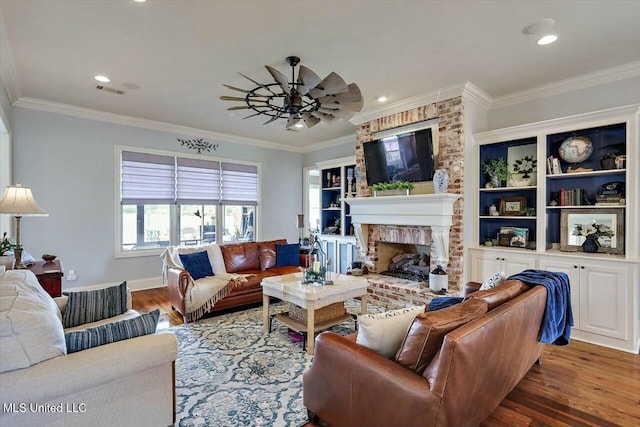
287, 255
97, 304
197, 264
145, 324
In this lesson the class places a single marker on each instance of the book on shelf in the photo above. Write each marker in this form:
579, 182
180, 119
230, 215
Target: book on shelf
557, 170
609, 204
574, 197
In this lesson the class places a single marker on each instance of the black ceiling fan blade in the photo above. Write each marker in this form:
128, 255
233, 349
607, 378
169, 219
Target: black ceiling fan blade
259, 84
280, 78
322, 116
273, 119
341, 114
307, 80
330, 85
236, 88
343, 106
310, 120
253, 115
292, 121
351, 95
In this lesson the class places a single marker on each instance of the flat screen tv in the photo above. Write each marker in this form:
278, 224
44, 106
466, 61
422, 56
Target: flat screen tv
403, 157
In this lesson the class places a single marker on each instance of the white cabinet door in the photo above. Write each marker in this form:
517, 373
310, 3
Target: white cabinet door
572, 269
515, 263
484, 263
604, 303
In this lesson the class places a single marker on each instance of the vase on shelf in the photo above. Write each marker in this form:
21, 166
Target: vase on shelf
590, 245
495, 180
441, 181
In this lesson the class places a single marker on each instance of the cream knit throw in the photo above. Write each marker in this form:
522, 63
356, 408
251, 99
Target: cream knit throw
202, 294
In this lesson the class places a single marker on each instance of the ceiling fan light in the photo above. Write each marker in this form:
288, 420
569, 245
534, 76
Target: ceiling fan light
101, 78
298, 125
382, 99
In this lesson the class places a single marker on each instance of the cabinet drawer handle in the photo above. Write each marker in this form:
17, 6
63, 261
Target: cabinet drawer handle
582, 267
575, 266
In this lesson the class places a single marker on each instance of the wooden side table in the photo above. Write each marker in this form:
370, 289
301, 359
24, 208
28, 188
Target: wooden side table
49, 275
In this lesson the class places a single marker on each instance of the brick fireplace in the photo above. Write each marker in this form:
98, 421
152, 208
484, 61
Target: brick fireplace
445, 238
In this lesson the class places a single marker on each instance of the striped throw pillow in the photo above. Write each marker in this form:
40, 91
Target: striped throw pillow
91, 306
145, 324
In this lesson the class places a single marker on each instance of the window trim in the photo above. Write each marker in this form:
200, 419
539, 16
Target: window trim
174, 232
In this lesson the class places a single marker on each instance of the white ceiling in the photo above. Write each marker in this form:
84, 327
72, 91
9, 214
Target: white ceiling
180, 52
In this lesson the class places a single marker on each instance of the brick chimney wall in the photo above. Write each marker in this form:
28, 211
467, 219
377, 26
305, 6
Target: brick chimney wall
450, 157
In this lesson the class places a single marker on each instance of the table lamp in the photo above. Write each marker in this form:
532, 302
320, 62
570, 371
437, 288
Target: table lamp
300, 228
18, 201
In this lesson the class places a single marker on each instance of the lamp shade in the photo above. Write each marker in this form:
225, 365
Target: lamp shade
18, 201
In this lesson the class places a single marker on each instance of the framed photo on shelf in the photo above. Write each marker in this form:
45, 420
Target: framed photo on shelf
607, 224
519, 238
512, 206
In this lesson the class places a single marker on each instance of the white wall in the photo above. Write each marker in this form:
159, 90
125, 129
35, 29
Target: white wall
594, 98
330, 153
69, 164
5, 154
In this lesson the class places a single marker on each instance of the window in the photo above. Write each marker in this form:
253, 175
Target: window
170, 200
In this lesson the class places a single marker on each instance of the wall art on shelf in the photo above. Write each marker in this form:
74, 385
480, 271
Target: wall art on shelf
523, 164
512, 206
607, 225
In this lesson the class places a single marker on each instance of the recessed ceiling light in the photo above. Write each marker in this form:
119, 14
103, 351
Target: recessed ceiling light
382, 99
548, 39
101, 78
139, 1
539, 27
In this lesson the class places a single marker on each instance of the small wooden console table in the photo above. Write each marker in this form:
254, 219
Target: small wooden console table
49, 275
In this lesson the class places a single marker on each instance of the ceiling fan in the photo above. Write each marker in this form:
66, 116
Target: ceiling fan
307, 99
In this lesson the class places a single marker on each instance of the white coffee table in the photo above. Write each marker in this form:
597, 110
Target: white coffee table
311, 297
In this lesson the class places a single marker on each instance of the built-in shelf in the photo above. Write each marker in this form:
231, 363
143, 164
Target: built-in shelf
529, 187
590, 173
503, 217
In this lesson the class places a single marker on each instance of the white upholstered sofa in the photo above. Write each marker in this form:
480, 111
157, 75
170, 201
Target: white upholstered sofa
129, 382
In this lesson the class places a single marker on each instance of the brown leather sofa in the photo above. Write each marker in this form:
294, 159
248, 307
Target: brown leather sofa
256, 260
475, 368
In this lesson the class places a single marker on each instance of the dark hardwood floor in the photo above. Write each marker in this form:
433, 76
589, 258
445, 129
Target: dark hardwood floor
577, 385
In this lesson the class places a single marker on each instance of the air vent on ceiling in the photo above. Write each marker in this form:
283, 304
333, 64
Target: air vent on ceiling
108, 89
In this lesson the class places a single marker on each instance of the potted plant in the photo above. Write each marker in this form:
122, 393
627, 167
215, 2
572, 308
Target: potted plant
497, 170
392, 188
5, 246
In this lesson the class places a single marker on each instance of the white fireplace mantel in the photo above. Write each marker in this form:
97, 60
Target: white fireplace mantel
427, 210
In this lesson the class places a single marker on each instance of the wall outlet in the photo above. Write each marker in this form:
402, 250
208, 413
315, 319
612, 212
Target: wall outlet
71, 276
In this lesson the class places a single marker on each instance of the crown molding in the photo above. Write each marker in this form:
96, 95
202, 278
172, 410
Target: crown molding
7, 65
88, 113
467, 90
561, 124
349, 139
584, 81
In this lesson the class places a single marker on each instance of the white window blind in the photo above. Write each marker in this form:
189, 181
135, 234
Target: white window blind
198, 182
239, 184
147, 179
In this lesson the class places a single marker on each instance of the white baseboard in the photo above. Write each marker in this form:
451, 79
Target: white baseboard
134, 285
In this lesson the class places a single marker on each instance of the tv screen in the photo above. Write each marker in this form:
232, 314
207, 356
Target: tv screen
404, 157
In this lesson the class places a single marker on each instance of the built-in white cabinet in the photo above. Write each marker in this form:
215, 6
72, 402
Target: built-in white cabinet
338, 181
484, 263
604, 298
546, 207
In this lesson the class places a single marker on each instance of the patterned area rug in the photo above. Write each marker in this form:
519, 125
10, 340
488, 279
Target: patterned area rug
229, 373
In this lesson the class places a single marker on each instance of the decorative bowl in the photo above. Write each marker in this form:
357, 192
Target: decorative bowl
49, 257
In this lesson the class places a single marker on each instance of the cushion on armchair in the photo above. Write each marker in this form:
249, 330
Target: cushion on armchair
144, 324
197, 264
267, 253
91, 306
383, 332
500, 294
288, 254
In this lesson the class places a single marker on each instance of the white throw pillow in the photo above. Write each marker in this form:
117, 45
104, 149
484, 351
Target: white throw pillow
384, 332
30, 326
492, 281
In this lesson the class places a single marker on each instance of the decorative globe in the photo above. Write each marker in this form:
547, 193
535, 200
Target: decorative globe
575, 149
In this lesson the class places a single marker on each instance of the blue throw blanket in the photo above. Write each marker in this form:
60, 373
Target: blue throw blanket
558, 317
